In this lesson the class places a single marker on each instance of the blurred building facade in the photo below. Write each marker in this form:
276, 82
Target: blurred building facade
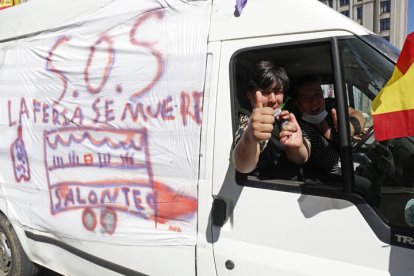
387, 18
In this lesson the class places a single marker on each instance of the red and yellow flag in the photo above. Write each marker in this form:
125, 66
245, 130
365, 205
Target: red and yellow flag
393, 107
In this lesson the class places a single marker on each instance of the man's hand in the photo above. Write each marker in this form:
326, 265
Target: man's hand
290, 131
334, 118
297, 148
353, 113
261, 120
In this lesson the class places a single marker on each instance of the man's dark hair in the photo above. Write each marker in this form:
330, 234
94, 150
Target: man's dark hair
296, 84
264, 74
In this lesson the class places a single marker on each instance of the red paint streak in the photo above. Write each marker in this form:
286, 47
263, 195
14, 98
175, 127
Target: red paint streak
108, 66
171, 205
19, 132
9, 110
118, 88
63, 191
110, 229
174, 228
159, 14
85, 213
185, 107
128, 135
50, 67
138, 182
88, 159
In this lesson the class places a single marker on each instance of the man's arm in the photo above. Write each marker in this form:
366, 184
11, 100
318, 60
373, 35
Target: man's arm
246, 153
299, 155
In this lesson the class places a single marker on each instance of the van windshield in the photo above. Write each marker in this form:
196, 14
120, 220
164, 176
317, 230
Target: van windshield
383, 46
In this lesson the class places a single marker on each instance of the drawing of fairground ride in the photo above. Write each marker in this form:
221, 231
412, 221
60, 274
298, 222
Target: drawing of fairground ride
101, 171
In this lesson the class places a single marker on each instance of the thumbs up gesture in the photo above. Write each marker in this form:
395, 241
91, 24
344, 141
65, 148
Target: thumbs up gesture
260, 129
261, 120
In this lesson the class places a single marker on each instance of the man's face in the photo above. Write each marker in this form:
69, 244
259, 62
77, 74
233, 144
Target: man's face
271, 97
310, 98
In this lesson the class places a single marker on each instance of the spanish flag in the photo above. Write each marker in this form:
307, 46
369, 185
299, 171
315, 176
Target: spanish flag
393, 107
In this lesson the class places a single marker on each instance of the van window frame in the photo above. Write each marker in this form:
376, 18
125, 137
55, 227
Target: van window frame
345, 140
384, 232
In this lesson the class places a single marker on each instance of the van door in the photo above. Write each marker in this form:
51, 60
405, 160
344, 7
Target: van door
284, 227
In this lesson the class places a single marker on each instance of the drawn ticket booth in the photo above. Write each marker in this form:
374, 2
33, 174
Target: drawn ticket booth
101, 172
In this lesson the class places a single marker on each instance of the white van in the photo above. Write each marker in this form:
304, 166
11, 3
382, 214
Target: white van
117, 121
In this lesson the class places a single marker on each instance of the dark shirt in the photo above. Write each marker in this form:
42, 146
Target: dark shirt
324, 157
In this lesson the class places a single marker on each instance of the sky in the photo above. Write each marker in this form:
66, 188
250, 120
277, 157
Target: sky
410, 20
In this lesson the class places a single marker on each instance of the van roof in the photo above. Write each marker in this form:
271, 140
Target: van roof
258, 18
276, 17
40, 15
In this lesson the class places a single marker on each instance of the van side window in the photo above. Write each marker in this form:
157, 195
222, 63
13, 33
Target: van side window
298, 61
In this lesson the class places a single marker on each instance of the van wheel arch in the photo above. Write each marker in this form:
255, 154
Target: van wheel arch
13, 259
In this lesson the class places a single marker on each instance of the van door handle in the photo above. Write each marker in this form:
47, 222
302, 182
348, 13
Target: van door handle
219, 212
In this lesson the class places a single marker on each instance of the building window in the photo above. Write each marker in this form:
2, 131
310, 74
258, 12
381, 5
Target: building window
385, 6
346, 13
359, 13
330, 3
343, 2
387, 38
384, 24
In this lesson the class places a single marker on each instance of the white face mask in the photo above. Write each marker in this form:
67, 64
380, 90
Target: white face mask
314, 119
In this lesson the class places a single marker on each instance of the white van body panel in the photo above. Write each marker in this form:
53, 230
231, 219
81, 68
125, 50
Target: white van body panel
42, 15
205, 260
261, 18
276, 232
136, 258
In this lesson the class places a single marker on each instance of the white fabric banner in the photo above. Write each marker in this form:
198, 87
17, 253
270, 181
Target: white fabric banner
100, 123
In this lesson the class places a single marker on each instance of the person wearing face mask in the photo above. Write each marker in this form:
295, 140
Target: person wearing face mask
318, 120
269, 141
